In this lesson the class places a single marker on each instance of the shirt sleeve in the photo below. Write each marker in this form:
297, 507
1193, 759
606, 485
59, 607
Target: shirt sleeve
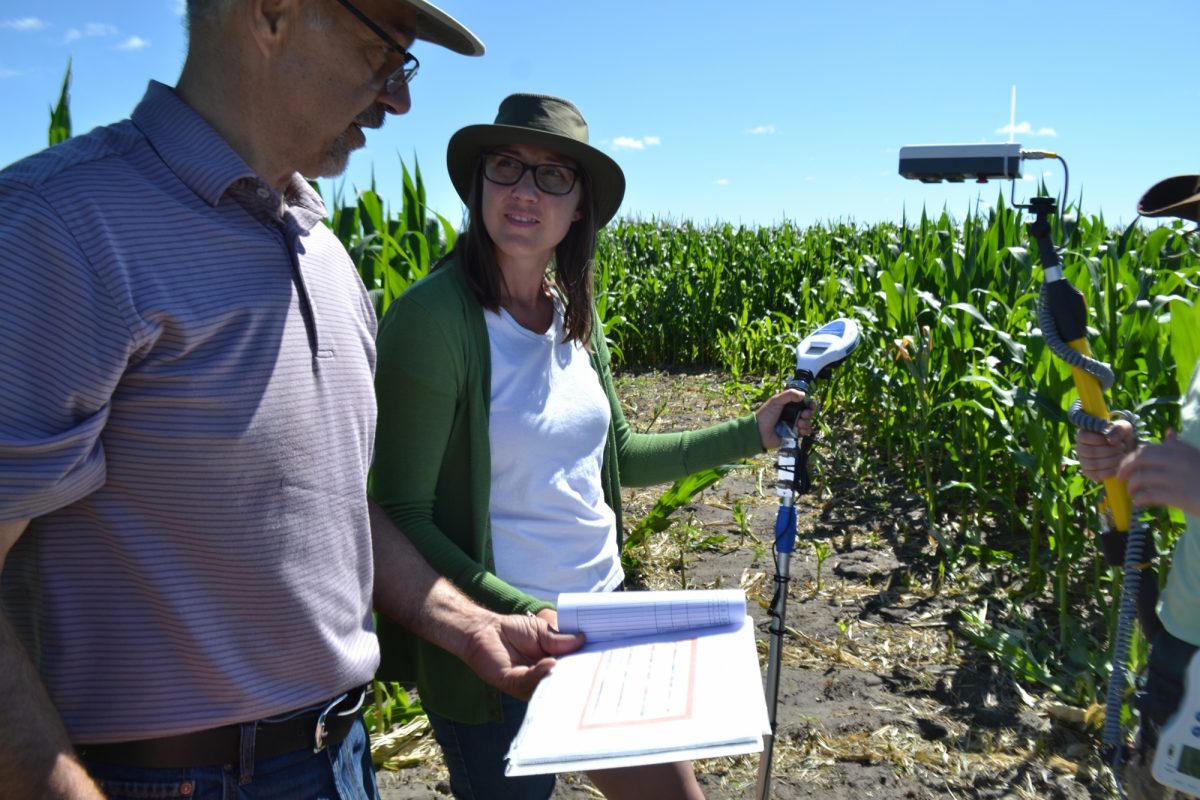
65, 347
646, 459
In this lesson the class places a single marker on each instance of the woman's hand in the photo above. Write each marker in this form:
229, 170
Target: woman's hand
768, 416
1100, 455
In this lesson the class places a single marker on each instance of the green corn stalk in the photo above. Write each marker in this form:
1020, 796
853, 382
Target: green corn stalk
60, 114
682, 492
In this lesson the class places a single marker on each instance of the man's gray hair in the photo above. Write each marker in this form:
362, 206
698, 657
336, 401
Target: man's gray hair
209, 12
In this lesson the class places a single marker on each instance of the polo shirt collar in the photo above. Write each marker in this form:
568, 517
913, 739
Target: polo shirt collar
305, 205
204, 161
187, 144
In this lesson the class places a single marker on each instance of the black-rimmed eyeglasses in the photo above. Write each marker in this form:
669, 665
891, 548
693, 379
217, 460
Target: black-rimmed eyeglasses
408, 64
507, 170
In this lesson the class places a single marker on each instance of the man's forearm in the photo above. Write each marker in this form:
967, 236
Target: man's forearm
510, 651
409, 591
36, 757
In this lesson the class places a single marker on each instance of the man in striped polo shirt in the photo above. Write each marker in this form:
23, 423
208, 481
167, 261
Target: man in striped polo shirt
186, 423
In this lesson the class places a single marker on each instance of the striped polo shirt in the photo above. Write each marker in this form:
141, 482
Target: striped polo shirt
187, 416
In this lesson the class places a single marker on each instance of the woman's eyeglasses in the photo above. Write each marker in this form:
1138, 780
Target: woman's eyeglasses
550, 178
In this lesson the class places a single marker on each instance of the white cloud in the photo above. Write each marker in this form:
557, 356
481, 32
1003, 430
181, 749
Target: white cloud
133, 43
722, 181
1024, 128
24, 24
760, 130
8, 73
633, 143
91, 31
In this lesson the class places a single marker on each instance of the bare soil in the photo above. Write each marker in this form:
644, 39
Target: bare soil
880, 697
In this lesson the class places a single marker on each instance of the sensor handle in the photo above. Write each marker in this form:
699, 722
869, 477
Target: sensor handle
791, 412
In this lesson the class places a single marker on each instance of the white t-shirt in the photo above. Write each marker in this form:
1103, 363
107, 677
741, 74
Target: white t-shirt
552, 530
1181, 597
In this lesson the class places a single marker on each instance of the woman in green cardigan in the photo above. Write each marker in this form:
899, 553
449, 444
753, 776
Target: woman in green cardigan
501, 444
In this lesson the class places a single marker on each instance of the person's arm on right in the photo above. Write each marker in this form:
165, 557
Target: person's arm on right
1157, 475
36, 757
1164, 474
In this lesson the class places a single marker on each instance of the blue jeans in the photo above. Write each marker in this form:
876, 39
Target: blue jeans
341, 772
475, 757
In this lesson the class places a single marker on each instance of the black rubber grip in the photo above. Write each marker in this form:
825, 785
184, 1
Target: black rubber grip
1068, 308
791, 412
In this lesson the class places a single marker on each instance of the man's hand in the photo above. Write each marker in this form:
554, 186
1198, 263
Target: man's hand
511, 652
1166, 474
514, 652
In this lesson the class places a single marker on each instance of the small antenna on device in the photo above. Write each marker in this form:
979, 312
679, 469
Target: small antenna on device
1012, 115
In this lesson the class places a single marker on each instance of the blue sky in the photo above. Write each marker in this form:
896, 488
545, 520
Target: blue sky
745, 113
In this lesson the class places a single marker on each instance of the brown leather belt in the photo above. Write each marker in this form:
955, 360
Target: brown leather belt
314, 728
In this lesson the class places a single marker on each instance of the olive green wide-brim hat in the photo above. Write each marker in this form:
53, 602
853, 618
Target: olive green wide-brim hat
541, 120
435, 25
1173, 197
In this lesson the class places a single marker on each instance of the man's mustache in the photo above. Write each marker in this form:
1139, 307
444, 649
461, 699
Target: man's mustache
373, 117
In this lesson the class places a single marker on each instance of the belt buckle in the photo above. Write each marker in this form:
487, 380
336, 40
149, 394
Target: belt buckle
321, 734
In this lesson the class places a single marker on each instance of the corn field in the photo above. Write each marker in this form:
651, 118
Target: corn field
952, 393
952, 390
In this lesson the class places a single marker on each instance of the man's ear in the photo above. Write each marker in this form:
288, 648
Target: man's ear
271, 20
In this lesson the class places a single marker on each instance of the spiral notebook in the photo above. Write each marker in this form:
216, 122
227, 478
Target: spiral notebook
664, 676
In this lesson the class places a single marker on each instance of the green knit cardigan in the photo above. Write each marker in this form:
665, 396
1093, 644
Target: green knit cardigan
432, 469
